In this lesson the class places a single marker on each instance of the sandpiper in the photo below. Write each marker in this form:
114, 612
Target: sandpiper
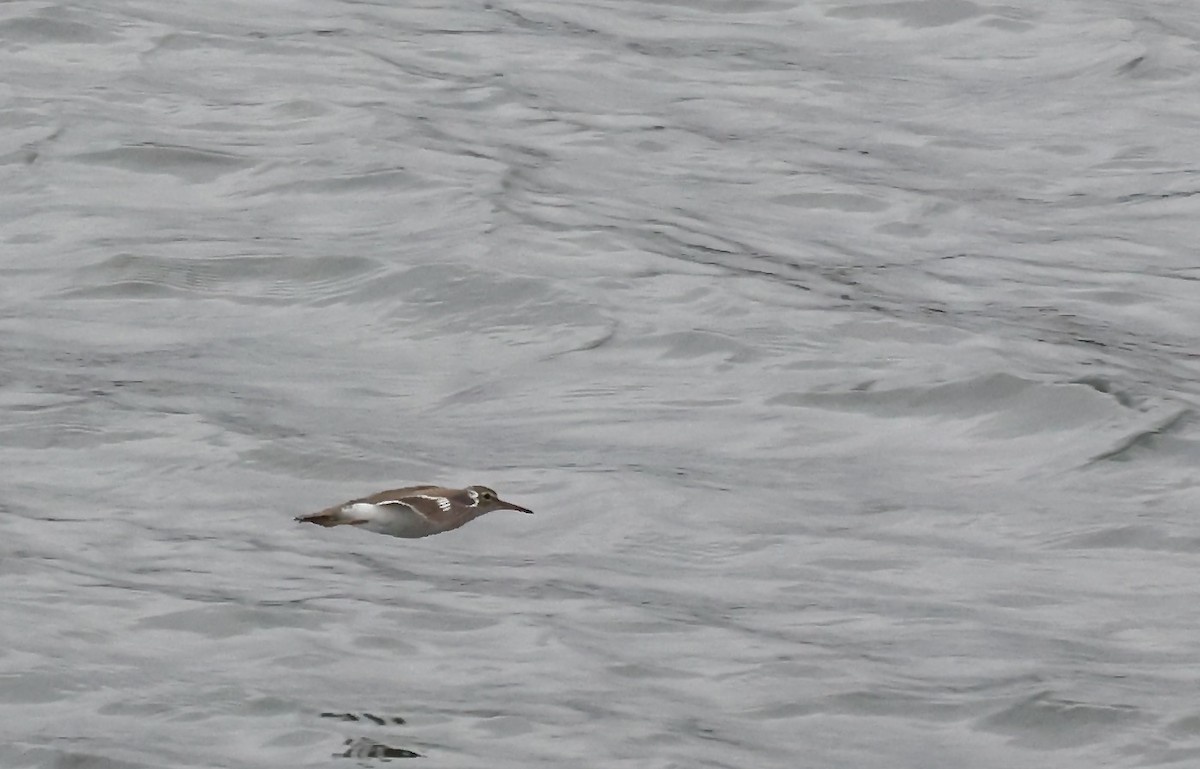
415, 511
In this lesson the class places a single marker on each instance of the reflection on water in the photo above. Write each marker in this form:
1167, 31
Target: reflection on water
366, 747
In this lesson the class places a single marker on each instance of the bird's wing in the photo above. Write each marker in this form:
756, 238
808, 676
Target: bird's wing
350, 512
429, 502
399, 495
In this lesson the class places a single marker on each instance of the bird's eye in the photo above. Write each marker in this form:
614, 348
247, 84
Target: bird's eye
487, 495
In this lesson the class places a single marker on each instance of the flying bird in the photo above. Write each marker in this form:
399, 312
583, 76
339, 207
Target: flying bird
414, 511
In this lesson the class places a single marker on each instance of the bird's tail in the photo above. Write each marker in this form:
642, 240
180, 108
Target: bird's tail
324, 518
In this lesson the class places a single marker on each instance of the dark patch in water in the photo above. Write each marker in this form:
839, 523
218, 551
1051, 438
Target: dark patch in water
380, 720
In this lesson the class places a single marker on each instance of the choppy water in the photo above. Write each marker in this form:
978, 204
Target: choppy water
847, 352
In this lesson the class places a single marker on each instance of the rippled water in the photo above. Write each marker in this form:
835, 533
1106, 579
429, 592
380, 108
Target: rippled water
847, 352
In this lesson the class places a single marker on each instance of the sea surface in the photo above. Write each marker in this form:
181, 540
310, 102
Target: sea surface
848, 353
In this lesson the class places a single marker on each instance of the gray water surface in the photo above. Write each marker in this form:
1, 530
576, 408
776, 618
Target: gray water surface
847, 353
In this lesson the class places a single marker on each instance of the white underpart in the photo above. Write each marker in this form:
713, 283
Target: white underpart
365, 511
393, 517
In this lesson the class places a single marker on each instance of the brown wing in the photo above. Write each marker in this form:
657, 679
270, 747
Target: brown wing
335, 516
430, 502
398, 495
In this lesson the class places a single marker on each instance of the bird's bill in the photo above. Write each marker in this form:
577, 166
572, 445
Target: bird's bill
502, 505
